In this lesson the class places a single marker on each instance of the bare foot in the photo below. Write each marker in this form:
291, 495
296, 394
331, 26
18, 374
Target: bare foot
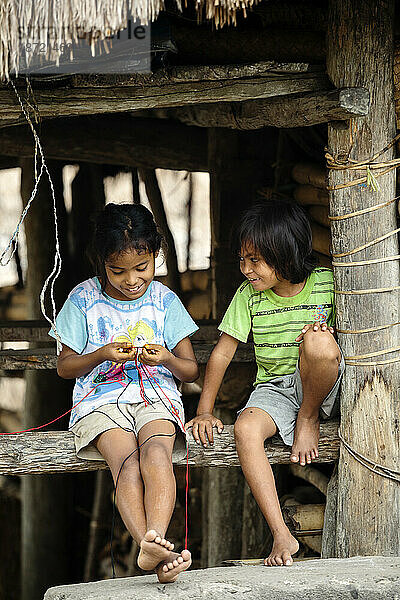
281, 554
153, 550
167, 572
306, 436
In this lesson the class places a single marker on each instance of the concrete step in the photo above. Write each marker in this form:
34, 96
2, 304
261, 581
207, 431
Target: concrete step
358, 578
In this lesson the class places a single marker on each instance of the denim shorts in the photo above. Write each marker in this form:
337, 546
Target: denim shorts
281, 398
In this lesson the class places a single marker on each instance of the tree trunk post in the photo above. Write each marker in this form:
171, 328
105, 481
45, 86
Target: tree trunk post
360, 53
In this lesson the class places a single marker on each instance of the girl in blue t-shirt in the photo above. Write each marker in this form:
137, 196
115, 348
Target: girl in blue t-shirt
125, 337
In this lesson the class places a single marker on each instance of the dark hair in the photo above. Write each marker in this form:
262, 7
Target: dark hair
279, 230
122, 227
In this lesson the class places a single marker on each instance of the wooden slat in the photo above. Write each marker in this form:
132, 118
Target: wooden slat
37, 331
45, 358
178, 86
53, 452
25, 331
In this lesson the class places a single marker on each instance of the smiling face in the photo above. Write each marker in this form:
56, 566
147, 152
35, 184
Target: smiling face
129, 274
263, 277
255, 269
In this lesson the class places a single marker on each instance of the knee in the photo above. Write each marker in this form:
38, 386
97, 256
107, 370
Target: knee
154, 456
126, 471
320, 346
245, 432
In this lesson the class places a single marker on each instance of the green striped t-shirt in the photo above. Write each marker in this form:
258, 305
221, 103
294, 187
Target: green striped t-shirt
275, 321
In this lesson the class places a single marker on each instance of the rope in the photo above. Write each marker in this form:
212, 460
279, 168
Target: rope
372, 364
361, 263
370, 354
369, 330
367, 245
370, 464
362, 211
13, 242
367, 291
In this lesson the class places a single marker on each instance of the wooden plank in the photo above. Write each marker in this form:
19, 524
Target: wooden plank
37, 331
45, 358
26, 331
178, 86
289, 111
148, 143
54, 452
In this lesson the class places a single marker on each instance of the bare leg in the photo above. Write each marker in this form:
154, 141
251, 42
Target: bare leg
319, 363
115, 445
159, 497
251, 429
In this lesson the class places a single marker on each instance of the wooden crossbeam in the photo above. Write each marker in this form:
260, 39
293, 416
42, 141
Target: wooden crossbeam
177, 86
142, 142
45, 358
37, 331
54, 452
294, 110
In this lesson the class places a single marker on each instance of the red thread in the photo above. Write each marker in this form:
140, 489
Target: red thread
149, 376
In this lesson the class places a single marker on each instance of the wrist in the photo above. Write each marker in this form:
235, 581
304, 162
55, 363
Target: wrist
168, 362
99, 355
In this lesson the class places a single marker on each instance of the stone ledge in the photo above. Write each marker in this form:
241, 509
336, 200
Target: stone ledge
358, 578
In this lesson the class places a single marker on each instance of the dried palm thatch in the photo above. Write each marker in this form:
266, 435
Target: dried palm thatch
55, 23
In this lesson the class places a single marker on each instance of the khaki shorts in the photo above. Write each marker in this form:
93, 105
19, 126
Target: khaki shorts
130, 417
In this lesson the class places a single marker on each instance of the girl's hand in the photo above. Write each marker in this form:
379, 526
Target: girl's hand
315, 326
118, 352
203, 428
154, 354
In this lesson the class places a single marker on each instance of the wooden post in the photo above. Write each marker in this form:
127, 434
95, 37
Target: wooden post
149, 177
360, 52
223, 503
87, 198
46, 503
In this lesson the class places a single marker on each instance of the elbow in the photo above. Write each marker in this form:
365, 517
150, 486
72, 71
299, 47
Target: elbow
63, 373
193, 375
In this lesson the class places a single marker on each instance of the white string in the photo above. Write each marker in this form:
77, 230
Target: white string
51, 279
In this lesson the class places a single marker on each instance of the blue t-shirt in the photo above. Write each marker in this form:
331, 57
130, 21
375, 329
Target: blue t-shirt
90, 319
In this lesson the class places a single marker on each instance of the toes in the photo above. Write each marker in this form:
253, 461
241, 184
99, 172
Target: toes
186, 555
170, 566
312, 454
308, 457
294, 458
302, 459
279, 561
180, 560
165, 568
287, 559
151, 536
175, 563
157, 540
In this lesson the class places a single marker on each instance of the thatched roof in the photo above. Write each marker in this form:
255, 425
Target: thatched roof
65, 18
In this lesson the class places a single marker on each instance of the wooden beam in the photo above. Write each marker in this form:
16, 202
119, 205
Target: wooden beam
37, 331
297, 110
114, 139
45, 358
178, 86
54, 452
360, 49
